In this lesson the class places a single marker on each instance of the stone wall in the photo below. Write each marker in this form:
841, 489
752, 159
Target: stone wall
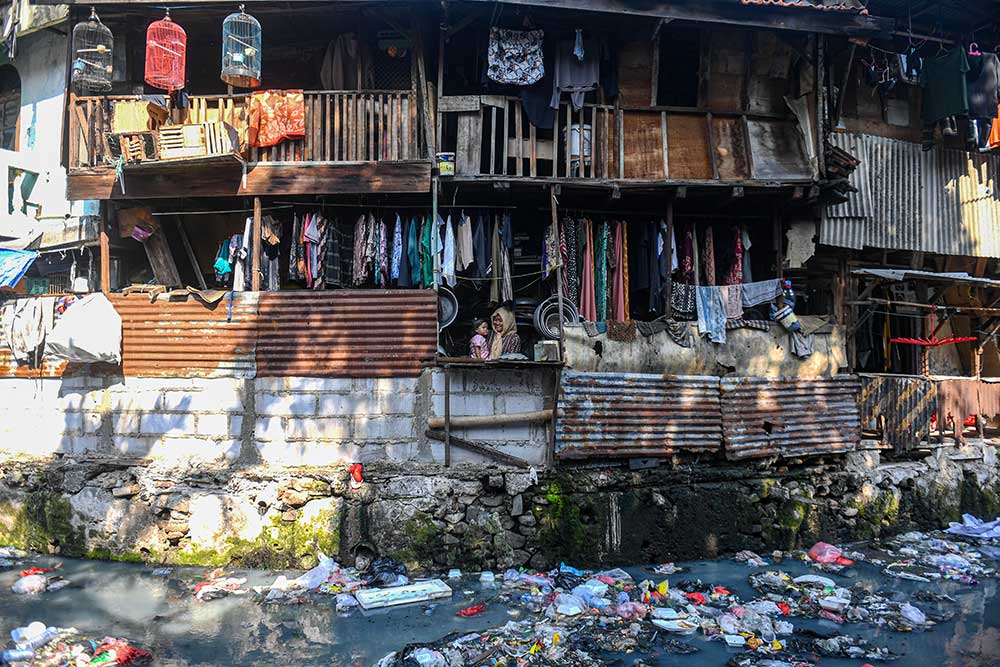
475, 516
289, 421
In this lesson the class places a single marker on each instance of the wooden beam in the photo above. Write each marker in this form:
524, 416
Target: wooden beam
834, 23
255, 246
186, 242
105, 256
262, 179
554, 205
842, 92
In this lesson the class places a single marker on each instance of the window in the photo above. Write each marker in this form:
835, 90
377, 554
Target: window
10, 106
679, 67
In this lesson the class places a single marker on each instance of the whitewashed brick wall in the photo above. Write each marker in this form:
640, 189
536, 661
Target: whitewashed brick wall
291, 421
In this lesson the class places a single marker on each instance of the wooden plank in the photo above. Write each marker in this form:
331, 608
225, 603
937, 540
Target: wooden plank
709, 135
458, 103
189, 251
105, 258
643, 134
262, 179
568, 140
533, 149
255, 246
688, 148
307, 140
608, 144
663, 140
520, 140
555, 143
620, 137
746, 138
582, 155
328, 125
160, 259
73, 160
396, 125
468, 149
506, 133
493, 139
730, 148
317, 133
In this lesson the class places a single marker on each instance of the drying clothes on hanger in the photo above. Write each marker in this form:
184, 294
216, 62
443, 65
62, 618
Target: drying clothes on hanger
983, 82
550, 250
242, 254
572, 75
514, 57
405, 279
345, 56
397, 250
734, 274
359, 270
339, 255
480, 252
601, 272
711, 313
708, 257
674, 265
464, 256
740, 323
619, 286
627, 311
687, 261
945, 90
764, 291
448, 256
383, 253
656, 269
427, 252
413, 250
802, 345
571, 276
588, 300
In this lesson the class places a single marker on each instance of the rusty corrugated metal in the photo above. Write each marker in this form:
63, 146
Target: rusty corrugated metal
346, 333
901, 406
789, 416
50, 368
188, 338
632, 414
942, 201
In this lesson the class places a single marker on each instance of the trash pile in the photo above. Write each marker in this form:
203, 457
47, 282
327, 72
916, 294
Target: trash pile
38, 580
329, 578
218, 585
581, 616
9, 556
926, 557
37, 644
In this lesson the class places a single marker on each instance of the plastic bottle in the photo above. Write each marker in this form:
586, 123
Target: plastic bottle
39, 641
30, 631
16, 655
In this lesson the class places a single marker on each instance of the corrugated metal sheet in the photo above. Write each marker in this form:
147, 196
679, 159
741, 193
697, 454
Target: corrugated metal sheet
632, 414
188, 338
903, 405
10, 368
789, 416
942, 201
346, 333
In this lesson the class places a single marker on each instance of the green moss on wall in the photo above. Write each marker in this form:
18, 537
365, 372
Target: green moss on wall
42, 522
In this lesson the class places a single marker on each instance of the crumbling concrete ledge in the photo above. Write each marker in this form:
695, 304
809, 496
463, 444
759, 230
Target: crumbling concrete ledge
477, 516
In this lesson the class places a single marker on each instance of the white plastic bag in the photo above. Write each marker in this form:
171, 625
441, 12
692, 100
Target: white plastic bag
90, 331
318, 575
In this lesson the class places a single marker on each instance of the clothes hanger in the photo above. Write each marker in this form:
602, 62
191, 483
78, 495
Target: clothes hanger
974, 49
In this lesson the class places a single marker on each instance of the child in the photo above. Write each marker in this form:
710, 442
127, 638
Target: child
477, 345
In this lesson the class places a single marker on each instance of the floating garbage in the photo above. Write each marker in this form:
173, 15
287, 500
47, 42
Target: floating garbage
38, 644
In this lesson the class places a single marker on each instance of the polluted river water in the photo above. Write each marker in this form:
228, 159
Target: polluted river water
159, 613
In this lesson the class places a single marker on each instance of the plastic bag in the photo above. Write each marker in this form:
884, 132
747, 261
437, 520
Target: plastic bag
318, 575
824, 553
90, 331
913, 614
385, 572
631, 611
33, 583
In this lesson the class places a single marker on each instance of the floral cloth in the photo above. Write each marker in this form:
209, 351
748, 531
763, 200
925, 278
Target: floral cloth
276, 115
515, 56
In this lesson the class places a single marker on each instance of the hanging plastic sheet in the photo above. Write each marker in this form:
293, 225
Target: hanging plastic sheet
906, 404
90, 331
14, 264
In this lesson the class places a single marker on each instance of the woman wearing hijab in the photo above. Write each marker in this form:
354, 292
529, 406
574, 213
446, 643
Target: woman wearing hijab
503, 337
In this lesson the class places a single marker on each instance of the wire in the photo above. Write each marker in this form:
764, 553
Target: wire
519, 275
234, 210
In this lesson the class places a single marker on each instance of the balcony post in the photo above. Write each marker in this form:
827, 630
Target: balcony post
255, 246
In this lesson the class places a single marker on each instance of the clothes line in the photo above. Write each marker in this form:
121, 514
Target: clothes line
386, 207
216, 212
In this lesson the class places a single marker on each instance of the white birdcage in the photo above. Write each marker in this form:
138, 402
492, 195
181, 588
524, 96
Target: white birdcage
93, 44
241, 37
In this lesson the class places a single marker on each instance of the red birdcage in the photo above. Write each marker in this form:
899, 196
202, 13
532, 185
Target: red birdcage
166, 54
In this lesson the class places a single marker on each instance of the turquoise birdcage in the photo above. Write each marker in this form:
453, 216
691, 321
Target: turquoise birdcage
92, 55
241, 37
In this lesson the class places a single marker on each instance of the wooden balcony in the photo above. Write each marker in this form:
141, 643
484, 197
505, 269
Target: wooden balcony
605, 144
355, 142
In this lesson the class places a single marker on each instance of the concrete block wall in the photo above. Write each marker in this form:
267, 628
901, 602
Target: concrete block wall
286, 421
482, 392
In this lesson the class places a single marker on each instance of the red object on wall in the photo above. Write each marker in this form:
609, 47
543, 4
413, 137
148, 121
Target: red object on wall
166, 54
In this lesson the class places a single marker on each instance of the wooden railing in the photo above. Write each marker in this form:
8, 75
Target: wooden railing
341, 126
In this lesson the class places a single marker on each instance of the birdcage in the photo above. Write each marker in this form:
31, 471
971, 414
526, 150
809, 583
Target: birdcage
241, 50
166, 54
92, 49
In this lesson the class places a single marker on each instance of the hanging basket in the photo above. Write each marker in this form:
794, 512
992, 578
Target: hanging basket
166, 54
93, 44
241, 57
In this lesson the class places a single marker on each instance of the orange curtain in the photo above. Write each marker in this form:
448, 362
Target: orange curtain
995, 133
276, 115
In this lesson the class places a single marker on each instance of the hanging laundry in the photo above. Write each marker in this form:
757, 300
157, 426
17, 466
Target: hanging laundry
734, 274
708, 257
383, 253
574, 76
448, 256
223, 269
551, 254
427, 247
618, 310
983, 82
479, 252
653, 268
276, 115
732, 297
397, 249
601, 272
588, 301
405, 279
764, 291
242, 253
413, 250
515, 56
359, 269
464, 256
571, 277
945, 91
683, 300
625, 274
503, 241
337, 246
687, 261
711, 313
270, 253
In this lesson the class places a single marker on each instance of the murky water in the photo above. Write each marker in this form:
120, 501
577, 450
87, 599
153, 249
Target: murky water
161, 615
